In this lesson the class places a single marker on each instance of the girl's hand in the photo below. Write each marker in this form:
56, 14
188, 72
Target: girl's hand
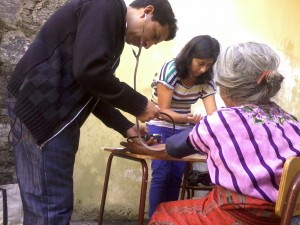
194, 118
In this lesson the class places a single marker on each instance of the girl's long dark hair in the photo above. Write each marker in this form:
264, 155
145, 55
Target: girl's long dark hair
202, 46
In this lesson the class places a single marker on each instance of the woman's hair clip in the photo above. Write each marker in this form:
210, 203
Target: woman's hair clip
263, 76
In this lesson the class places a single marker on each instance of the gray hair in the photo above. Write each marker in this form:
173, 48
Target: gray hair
240, 66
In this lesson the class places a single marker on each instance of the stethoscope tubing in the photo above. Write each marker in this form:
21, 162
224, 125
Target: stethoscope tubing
137, 58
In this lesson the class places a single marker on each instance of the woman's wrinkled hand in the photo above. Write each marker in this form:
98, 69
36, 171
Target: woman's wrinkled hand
138, 148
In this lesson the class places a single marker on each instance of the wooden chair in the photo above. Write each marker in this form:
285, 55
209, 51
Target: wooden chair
288, 202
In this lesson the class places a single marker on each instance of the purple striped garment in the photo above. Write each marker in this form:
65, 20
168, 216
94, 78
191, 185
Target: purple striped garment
247, 146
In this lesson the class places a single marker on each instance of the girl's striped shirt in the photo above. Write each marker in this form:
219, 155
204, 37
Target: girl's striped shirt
183, 97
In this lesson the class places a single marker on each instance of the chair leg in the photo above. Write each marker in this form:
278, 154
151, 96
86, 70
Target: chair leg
193, 193
104, 192
183, 185
143, 192
293, 193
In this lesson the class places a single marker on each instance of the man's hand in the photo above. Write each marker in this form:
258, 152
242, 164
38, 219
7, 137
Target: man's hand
133, 131
151, 111
133, 135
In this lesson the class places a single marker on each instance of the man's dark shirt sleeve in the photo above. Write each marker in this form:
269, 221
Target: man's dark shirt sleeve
112, 117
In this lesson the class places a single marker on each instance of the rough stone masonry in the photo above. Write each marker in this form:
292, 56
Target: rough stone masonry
20, 21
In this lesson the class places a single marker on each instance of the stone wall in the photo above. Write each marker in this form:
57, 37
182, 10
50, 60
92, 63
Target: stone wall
20, 20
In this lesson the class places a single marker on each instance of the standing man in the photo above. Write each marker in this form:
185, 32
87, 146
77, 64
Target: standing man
67, 73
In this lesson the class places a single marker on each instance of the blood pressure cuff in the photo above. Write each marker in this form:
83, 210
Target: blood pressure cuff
179, 145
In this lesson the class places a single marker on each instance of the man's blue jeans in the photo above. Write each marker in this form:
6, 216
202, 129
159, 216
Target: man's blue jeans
45, 176
166, 174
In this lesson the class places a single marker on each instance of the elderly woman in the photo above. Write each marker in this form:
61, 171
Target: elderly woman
246, 144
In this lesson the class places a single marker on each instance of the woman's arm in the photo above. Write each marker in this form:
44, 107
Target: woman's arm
179, 145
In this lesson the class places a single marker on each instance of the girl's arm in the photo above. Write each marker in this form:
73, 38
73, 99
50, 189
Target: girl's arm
210, 104
164, 102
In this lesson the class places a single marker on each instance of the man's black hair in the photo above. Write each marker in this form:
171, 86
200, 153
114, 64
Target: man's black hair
162, 13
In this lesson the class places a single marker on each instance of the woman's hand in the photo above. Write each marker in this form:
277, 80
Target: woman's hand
138, 148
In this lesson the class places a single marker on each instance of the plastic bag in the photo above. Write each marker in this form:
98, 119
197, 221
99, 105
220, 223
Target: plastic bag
14, 205
195, 177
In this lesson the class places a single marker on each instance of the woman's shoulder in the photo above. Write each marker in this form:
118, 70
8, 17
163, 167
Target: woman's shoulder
260, 114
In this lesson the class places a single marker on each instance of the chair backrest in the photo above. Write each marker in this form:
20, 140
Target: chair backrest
289, 188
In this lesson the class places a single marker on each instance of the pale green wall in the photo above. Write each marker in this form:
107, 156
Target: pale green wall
273, 22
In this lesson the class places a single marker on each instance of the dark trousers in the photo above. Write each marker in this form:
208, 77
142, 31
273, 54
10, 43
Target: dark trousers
45, 176
166, 175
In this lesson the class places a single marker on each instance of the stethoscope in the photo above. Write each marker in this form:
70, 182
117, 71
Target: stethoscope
137, 58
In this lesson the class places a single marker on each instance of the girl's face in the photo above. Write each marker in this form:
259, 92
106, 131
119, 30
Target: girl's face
200, 66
